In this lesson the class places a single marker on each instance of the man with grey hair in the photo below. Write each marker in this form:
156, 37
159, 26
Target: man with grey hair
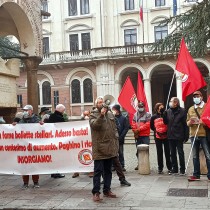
177, 133
56, 117
104, 147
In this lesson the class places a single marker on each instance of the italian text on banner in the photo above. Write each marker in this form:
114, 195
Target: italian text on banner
27, 149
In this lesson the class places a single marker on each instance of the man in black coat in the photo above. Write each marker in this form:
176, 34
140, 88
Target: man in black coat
177, 134
56, 117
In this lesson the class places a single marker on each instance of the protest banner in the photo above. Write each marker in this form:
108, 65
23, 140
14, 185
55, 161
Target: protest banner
27, 149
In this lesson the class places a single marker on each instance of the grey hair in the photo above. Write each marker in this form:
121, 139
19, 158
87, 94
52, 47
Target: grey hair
175, 99
60, 108
98, 98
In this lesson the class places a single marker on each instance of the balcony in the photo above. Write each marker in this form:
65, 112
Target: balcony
108, 53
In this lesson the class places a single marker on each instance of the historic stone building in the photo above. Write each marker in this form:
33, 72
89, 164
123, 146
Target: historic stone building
91, 46
21, 19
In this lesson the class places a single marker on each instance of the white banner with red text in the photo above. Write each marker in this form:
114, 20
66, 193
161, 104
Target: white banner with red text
27, 149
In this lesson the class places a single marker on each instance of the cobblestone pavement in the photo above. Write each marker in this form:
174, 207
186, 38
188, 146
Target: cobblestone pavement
147, 192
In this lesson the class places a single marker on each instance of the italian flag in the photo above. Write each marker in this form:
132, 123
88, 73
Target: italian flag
141, 10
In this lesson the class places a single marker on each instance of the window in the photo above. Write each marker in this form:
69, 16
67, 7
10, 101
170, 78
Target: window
87, 89
20, 100
85, 41
129, 4
84, 7
45, 8
56, 98
46, 45
46, 93
160, 32
73, 6
159, 3
74, 42
130, 37
75, 91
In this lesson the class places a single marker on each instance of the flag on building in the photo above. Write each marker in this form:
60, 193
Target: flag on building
205, 117
174, 7
128, 99
141, 93
192, 78
141, 10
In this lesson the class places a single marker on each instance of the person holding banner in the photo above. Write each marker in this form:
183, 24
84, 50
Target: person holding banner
141, 126
178, 133
198, 135
104, 147
55, 117
29, 117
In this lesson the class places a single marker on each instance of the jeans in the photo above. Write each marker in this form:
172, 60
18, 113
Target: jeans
196, 162
121, 155
102, 167
141, 140
177, 145
160, 143
118, 168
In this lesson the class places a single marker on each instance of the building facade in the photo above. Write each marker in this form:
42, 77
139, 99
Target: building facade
91, 46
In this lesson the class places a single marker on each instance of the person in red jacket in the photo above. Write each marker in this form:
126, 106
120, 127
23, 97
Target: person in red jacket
141, 125
160, 134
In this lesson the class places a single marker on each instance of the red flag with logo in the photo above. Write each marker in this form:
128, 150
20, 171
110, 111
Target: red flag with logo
192, 79
205, 117
141, 93
128, 99
141, 10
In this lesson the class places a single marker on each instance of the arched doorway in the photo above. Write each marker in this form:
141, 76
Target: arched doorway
160, 84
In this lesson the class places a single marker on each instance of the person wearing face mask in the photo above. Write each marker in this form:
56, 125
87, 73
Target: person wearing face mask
193, 121
104, 147
160, 134
141, 126
177, 133
29, 117
57, 117
44, 114
123, 129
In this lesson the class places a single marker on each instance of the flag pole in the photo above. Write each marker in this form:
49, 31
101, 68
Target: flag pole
196, 132
170, 90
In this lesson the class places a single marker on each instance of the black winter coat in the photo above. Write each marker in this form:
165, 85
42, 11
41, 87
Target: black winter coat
56, 117
177, 126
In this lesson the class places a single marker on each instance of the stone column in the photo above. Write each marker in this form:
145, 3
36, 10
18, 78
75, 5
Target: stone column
147, 89
31, 65
143, 159
179, 88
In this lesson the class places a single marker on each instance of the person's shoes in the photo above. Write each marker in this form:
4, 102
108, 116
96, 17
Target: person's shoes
36, 185
193, 178
172, 172
75, 175
160, 171
58, 176
96, 197
91, 174
123, 169
109, 194
182, 173
25, 186
125, 183
137, 168
102, 182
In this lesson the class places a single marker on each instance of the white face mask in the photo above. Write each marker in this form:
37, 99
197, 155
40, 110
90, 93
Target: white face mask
25, 114
171, 104
114, 112
86, 117
140, 109
197, 100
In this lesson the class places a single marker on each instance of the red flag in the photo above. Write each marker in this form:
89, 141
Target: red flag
205, 117
141, 10
127, 98
192, 79
140, 92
